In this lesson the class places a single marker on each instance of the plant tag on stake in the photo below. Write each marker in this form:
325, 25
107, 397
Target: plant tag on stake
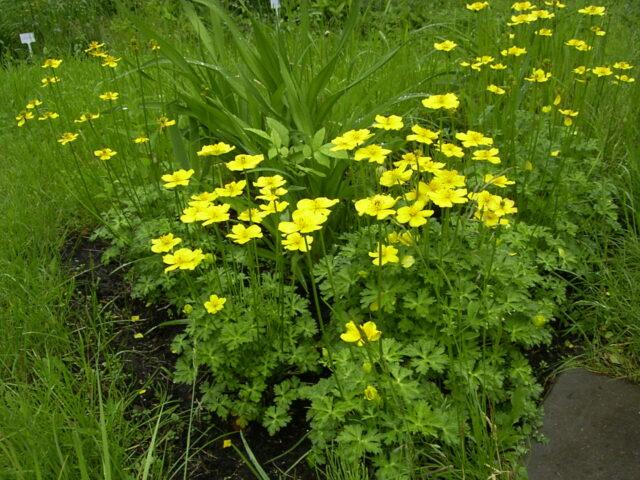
27, 39
275, 4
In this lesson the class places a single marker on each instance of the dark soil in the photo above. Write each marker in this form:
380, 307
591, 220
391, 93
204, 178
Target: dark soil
545, 359
149, 363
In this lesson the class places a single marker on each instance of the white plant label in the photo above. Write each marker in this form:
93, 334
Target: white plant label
28, 38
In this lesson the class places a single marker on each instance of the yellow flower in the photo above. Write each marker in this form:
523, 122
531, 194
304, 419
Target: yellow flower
184, 259
392, 122
592, 10
602, 71
241, 234
98, 54
496, 89
48, 116
447, 197
544, 14
232, 189
36, 103
342, 143
274, 207
194, 212
271, 194
407, 261
581, 70
446, 179
319, 205
214, 150
51, 63
538, 75
105, 153
165, 243
522, 18
451, 150
358, 136
522, 6
555, 153
484, 59
379, 206
22, 118
420, 164
109, 96
303, 221
110, 61
179, 177
204, 197
568, 115
422, 135
473, 139
375, 153
46, 81
625, 78
351, 139
384, 254
296, 242
447, 101
489, 155
214, 304
67, 137
580, 45
252, 215
244, 162
415, 215
598, 31
405, 238
622, 66
86, 117
367, 332
477, 6
544, 32
213, 214
500, 181
445, 46
226, 443
497, 66
141, 139
371, 393
272, 182
513, 51
397, 176
94, 46
164, 122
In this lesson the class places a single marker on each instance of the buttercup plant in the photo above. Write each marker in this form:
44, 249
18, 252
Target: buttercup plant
391, 273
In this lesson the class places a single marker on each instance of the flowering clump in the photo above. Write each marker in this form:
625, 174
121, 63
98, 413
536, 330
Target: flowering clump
438, 222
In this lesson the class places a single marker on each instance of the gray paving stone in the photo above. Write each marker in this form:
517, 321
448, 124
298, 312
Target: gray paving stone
592, 423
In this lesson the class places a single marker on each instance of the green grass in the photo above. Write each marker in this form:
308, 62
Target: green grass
64, 401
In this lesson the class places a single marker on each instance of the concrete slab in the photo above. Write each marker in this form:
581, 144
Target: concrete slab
592, 423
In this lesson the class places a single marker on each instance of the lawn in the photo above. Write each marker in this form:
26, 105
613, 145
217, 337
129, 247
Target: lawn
336, 239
